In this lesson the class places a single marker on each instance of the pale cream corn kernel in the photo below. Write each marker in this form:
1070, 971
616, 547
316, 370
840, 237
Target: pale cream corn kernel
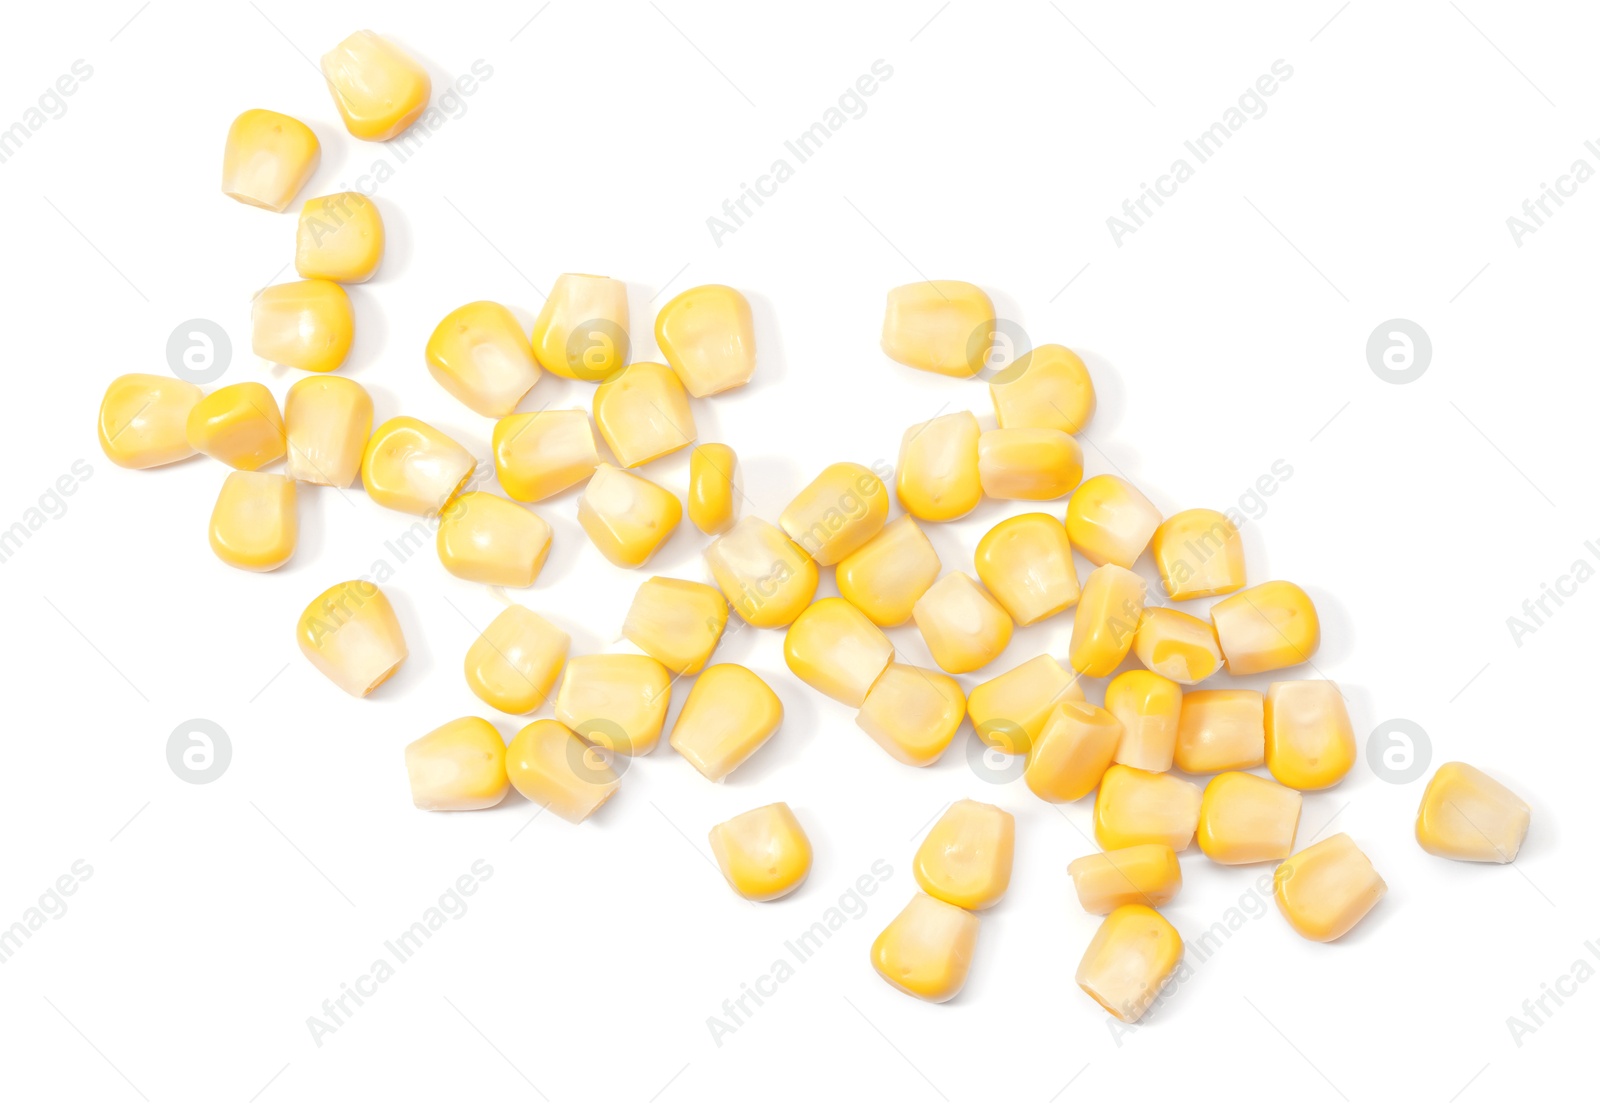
268, 158
513, 663
836, 649
677, 621
643, 413
240, 425
1324, 890
966, 857
1010, 711
1269, 626
327, 421
708, 336
1132, 955
1047, 387
943, 326
351, 635
479, 354
937, 478
254, 525
1107, 618
1149, 706
764, 853
885, 577
729, 714
711, 487
552, 768
1199, 554
1467, 815
962, 625
144, 420
379, 89
1073, 752
459, 766
1110, 521
410, 466
1247, 819
308, 324
1144, 807
1026, 563
1222, 730
836, 513
1310, 744
582, 329
487, 539
766, 577
1145, 874
1031, 464
913, 713
626, 516
615, 700
1177, 645
926, 950
542, 453
340, 237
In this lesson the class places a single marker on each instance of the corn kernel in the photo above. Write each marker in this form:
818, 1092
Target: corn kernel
966, 857
626, 516
351, 635
487, 539
459, 766
1028, 464
1145, 874
615, 700
1324, 890
643, 413
238, 425
253, 525
711, 487
1026, 563
268, 158
1047, 387
963, 626
327, 421
340, 237
763, 853
144, 420
412, 467
307, 324
513, 663
479, 354
1110, 521
1010, 711
1270, 626
937, 479
765, 576
729, 714
1246, 819
1133, 953
943, 326
835, 648
913, 713
1072, 752
836, 513
1143, 807
1199, 553
708, 337
1467, 815
1149, 706
1107, 618
926, 950
542, 453
885, 577
1220, 731
1309, 742
378, 87
677, 621
550, 766
1177, 645
582, 329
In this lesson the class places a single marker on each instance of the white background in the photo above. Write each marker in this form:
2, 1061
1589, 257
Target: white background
1228, 333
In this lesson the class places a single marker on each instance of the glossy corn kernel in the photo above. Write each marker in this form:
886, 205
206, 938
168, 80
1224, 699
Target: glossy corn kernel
943, 326
643, 413
487, 539
937, 478
350, 634
765, 576
1326, 889
459, 766
615, 700
764, 853
239, 425
1107, 618
1270, 626
340, 237
1010, 711
1028, 464
708, 337
677, 621
913, 713
711, 487
378, 87
1467, 815
543, 453
1145, 874
479, 354
926, 950
836, 513
1110, 521
1309, 742
582, 329
1148, 706
513, 663
552, 768
1246, 819
729, 714
885, 577
1073, 752
327, 421
307, 324
410, 466
144, 420
1199, 553
966, 857
836, 649
1026, 563
962, 625
626, 516
1133, 953
1220, 730
1045, 388
1177, 645
268, 158
254, 525
1144, 807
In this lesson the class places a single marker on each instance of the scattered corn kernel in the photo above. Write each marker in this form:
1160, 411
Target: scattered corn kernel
1026, 563
729, 714
708, 336
513, 663
268, 158
643, 413
1010, 711
937, 478
1199, 553
340, 237
459, 766
410, 466
350, 634
239, 425
615, 700
1309, 742
913, 713
542, 453
943, 326
836, 513
966, 857
711, 487
144, 420
327, 421
1220, 731
307, 324
479, 354
1047, 387
1246, 819
1031, 464
926, 950
378, 87
254, 525
1324, 890
1177, 645
1107, 618
677, 621
1145, 874
626, 516
963, 626
1270, 626
1149, 706
885, 577
582, 329
550, 766
1133, 953
836, 649
1467, 815
1110, 521
1072, 752
765, 576
487, 539
763, 853
1143, 807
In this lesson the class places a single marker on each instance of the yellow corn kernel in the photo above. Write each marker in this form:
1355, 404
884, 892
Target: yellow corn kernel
1177, 645
268, 159
1026, 563
1220, 730
885, 577
626, 516
763, 853
1028, 464
144, 420
711, 487
551, 767
1072, 752
1467, 815
1199, 553
1324, 890
378, 87
835, 648
253, 525
708, 337
1145, 874
542, 453
327, 421
1107, 618
1133, 953
1309, 742
1047, 387
836, 513
966, 857
943, 326
1246, 819
1110, 521
1144, 807
340, 237
963, 626
677, 621
729, 714
513, 663
582, 329
765, 576
926, 950
1270, 626
1010, 711
239, 425
479, 354
410, 466
913, 713
351, 635
615, 700
487, 539
459, 766
1149, 706
307, 324
937, 479
643, 413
